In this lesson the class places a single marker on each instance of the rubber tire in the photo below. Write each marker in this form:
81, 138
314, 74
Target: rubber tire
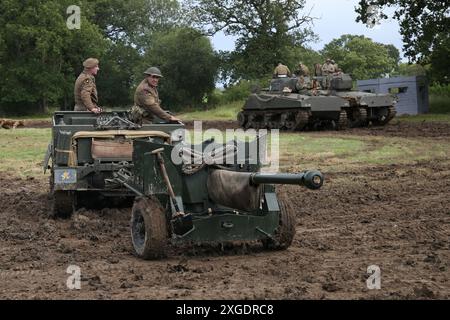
149, 228
284, 235
63, 204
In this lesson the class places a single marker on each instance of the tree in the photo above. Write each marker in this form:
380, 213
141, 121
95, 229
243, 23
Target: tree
130, 26
410, 69
188, 63
421, 22
38, 52
133, 21
360, 56
440, 67
265, 30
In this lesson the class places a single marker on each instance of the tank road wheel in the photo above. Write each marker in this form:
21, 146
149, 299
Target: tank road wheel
286, 229
242, 119
250, 121
343, 121
383, 120
63, 204
149, 228
301, 119
359, 117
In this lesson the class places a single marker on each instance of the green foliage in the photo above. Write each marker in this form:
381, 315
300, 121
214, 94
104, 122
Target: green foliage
424, 26
421, 22
40, 58
440, 89
439, 104
38, 53
307, 56
440, 98
238, 91
408, 69
130, 25
440, 66
115, 78
188, 63
265, 31
361, 57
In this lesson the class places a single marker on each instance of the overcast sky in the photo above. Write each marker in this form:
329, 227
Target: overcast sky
335, 18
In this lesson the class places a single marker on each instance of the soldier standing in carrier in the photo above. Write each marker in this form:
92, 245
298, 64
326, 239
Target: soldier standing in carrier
85, 90
281, 71
146, 100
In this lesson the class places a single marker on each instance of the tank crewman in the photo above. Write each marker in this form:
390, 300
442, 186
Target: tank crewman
336, 67
317, 69
281, 71
146, 100
302, 70
85, 90
328, 67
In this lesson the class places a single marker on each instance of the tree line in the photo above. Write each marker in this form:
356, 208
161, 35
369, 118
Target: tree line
40, 56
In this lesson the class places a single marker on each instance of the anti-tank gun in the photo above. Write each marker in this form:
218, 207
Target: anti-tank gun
206, 202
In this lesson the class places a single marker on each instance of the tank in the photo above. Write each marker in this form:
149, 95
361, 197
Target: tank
285, 106
364, 107
300, 103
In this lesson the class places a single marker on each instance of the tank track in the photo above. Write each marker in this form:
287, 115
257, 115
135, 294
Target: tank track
359, 116
391, 114
287, 120
343, 121
302, 119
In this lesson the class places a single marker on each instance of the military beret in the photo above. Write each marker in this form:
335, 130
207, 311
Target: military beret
90, 63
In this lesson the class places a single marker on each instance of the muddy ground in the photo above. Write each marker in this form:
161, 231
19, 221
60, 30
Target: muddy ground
396, 217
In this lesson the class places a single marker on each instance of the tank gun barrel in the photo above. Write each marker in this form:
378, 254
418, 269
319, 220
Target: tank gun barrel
312, 179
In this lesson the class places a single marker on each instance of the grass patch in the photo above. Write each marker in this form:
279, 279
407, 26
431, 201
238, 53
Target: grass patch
22, 151
225, 112
333, 152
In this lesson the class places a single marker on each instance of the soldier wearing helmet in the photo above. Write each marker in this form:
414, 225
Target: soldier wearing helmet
302, 70
85, 91
146, 100
328, 67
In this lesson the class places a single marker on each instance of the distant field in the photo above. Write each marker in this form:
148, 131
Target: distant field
22, 151
225, 112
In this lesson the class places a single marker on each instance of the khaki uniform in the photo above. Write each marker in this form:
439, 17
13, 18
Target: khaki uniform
328, 68
147, 104
281, 70
302, 70
85, 92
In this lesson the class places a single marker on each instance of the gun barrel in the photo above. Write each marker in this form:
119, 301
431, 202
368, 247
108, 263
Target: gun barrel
311, 179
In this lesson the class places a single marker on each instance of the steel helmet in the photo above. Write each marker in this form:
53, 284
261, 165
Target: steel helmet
153, 71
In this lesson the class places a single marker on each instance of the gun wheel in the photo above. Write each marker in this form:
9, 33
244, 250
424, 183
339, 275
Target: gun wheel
149, 228
286, 229
63, 204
